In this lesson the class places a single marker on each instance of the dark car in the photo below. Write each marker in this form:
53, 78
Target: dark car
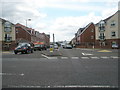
24, 48
39, 47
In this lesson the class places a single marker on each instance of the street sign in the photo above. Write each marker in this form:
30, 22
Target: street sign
51, 49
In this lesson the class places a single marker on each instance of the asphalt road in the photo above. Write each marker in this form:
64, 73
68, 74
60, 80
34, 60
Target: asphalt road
75, 68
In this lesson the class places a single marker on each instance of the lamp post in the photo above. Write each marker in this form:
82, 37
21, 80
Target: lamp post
26, 29
27, 20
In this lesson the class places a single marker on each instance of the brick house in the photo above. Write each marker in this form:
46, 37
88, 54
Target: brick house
45, 38
85, 37
25, 34
22, 34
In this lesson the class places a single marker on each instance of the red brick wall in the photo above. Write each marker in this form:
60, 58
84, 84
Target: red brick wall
86, 35
21, 33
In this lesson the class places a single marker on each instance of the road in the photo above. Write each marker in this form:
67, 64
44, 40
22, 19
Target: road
74, 68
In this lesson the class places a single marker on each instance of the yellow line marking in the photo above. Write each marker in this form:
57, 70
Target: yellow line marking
104, 51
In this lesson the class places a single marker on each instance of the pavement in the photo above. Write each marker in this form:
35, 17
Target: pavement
52, 53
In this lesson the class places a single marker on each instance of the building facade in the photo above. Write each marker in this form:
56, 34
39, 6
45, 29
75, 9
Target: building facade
7, 37
25, 34
22, 35
85, 37
108, 32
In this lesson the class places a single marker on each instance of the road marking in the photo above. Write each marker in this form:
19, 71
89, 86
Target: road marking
44, 56
52, 58
94, 57
9, 74
115, 57
75, 57
6, 52
64, 57
85, 54
104, 51
104, 57
64, 86
85, 57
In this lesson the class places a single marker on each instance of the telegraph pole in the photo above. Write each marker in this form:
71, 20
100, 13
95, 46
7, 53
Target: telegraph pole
53, 40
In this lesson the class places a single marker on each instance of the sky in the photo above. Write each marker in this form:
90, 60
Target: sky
61, 17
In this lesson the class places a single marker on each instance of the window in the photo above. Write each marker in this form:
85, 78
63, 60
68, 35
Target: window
102, 26
7, 29
7, 24
113, 23
102, 36
92, 30
92, 37
113, 34
8, 38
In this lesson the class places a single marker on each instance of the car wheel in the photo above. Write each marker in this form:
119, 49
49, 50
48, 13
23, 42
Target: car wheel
15, 52
31, 51
27, 51
22, 52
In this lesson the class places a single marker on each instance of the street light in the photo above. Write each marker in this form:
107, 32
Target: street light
27, 20
26, 27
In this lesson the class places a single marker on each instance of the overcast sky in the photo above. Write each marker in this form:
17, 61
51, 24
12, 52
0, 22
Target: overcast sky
61, 17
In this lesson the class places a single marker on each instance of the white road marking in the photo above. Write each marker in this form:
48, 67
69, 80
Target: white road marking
75, 57
52, 58
9, 74
104, 57
85, 54
64, 57
85, 57
49, 57
45, 56
115, 57
65, 86
94, 57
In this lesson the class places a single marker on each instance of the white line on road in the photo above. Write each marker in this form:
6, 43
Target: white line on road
9, 74
45, 56
52, 58
64, 57
104, 57
85, 57
85, 54
65, 86
94, 57
75, 57
115, 57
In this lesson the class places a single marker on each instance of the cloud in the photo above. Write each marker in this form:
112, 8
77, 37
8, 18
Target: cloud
66, 27
20, 10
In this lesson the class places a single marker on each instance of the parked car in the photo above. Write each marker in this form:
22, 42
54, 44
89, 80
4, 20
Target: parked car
55, 46
68, 47
114, 46
24, 48
39, 47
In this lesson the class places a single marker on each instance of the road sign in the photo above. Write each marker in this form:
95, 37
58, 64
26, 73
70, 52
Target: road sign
51, 49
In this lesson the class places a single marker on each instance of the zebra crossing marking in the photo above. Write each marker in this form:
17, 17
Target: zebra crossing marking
64, 57
85, 57
95, 58
104, 57
74, 57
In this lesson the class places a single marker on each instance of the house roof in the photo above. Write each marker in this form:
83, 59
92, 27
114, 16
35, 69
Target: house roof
6, 21
108, 17
23, 27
